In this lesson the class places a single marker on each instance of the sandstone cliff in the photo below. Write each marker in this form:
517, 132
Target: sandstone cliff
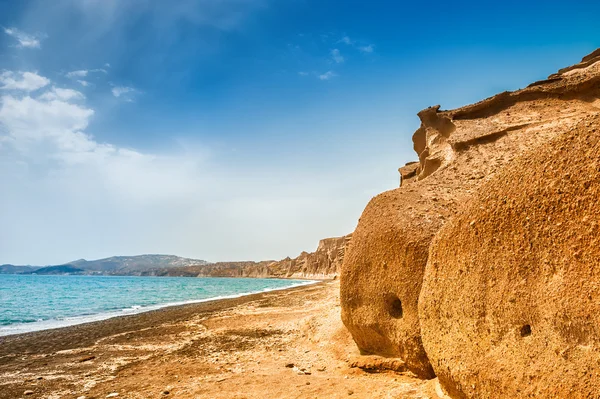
324, 263
458, 151
509, 306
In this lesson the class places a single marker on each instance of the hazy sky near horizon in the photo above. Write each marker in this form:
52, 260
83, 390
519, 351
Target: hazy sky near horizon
237, 129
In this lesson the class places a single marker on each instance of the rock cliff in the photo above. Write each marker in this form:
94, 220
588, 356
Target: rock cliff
324, 263
458, 152
509, 305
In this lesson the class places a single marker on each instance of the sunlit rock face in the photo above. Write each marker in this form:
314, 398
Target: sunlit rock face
508, 306
458, 152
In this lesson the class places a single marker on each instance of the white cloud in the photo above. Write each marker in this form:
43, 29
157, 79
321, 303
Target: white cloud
302, 73
336, 56
84, 83
82, 73
46, 119
119, 91
346, 40
359, 45
62, 94
50, 131
367, 49
25, 81
327, 75
78, 74
25, 40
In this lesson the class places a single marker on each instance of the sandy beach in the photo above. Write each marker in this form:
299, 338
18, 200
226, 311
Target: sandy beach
283, 344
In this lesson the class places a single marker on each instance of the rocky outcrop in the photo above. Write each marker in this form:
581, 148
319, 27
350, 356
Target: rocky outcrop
324, 263
458, 151
509, 305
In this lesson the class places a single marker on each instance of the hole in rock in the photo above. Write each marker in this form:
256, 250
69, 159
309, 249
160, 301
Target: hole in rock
394, 305
526, 330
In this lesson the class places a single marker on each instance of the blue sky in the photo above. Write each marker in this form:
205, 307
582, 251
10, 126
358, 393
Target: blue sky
237, 129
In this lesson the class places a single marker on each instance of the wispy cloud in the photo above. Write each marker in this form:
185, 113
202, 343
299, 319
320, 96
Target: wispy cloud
325, 54
223, 15
361, 46
327, 75
346, 40
367, 49
120, 91
82, 73
78, 74
25, 40
336, 56
25, 81
84, 83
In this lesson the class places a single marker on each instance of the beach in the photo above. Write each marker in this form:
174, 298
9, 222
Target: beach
281, 344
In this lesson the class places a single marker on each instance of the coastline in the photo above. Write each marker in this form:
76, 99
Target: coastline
278, 344
26, 328
118, 322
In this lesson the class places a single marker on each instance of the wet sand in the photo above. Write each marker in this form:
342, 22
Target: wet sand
281, 344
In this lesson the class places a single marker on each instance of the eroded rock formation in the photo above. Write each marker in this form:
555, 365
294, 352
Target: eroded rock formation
509, 305
458, 151
324, 263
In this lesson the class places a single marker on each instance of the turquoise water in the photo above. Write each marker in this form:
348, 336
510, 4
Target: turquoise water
31, 303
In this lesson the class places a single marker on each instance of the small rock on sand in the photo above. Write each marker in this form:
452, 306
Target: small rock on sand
112, 395
28, 393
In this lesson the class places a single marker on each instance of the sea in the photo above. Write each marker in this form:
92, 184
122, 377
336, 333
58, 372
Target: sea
38, 302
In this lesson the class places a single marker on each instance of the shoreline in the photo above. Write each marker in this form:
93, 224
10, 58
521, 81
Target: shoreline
277, 344
69, 321
321, 278
211, 304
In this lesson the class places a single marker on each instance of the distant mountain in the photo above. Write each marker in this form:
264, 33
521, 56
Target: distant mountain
116, 265
134, 264
12, 269
62, 269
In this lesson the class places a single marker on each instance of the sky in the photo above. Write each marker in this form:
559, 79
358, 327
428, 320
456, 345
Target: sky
237, 129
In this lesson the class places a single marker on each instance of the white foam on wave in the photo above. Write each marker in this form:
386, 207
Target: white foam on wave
135, 309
